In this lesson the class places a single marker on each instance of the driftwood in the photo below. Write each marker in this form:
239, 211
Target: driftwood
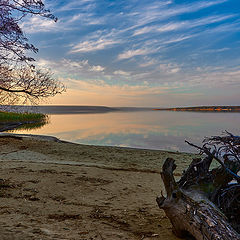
205, 202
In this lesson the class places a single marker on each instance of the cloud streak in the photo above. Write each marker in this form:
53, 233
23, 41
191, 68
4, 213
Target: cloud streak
89, 46
132, 53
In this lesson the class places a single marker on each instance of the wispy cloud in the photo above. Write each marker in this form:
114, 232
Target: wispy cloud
155, 13
169, 68
148, 62
122, 73
179, 39
132, 53
36, 24
89, 46
82, 5
67, 66
97, 68
182, 25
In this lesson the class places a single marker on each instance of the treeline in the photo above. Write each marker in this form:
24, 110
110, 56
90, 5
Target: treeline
204, 109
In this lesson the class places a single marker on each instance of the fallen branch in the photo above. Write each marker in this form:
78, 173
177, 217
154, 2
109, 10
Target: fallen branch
205, 202
207, 152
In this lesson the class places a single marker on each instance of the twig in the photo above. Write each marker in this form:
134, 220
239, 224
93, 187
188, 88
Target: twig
206, 151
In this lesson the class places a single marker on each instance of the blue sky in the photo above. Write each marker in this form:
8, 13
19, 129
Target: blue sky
141, 53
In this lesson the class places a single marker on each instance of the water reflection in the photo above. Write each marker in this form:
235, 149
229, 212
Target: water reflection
30, 126
152, 130
33, 126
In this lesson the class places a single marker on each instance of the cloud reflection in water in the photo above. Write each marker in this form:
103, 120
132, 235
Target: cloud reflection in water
152, 130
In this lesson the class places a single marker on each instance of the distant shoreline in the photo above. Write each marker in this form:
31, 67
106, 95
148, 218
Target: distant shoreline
203, 109
67, 109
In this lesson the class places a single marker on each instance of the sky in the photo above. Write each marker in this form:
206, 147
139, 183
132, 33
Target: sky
145, 53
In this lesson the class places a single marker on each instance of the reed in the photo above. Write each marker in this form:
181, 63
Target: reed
21, 117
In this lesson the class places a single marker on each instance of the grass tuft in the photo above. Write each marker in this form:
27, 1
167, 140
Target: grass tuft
8, 117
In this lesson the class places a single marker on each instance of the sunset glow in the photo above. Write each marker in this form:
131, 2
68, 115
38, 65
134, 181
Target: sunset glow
141, 53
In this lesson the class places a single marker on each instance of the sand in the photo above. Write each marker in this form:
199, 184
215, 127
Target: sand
57, 190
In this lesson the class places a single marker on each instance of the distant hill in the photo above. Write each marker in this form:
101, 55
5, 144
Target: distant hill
67, 109
204, 109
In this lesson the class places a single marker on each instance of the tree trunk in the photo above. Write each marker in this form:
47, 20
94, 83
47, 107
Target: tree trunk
187, 204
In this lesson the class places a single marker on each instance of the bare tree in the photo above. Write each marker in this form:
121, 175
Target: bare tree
20, 81
27, 84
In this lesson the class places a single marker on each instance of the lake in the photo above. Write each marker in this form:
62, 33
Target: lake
144, 128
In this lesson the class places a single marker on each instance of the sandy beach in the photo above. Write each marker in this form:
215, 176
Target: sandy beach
58, 190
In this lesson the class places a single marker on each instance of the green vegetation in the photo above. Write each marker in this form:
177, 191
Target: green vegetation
10, 121
9, 117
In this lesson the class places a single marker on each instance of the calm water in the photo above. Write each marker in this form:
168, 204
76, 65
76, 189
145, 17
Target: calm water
139, 129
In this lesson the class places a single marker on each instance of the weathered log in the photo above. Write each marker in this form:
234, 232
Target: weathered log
187, 204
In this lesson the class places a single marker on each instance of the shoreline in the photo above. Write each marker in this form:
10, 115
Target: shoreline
139, 163
109, 193
55, 139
